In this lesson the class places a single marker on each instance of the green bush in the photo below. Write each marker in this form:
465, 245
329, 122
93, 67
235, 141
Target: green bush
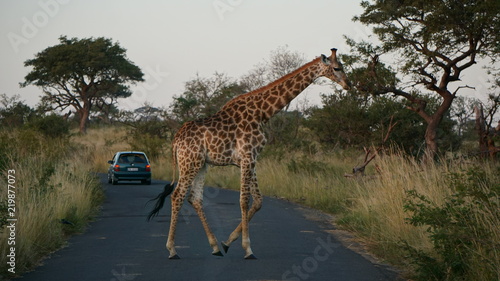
148, 136
463, 230
53, 126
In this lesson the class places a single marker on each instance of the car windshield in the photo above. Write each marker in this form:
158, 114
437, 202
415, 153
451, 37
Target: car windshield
132, 158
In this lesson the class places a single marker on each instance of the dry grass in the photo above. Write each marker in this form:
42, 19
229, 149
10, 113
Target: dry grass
377, 211
101, 144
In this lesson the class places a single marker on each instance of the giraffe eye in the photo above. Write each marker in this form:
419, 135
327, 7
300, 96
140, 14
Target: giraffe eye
337, 69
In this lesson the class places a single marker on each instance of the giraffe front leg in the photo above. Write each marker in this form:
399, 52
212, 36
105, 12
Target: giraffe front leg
248, 182
198, 206
245, 235
256, 205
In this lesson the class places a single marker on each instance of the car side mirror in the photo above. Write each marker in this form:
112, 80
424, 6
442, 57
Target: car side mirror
110, 162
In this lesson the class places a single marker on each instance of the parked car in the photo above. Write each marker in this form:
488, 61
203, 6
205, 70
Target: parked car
129, 166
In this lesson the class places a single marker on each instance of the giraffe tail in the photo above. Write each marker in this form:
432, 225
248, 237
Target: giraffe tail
160, 199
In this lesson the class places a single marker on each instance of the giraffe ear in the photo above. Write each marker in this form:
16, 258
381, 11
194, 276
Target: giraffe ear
325, 59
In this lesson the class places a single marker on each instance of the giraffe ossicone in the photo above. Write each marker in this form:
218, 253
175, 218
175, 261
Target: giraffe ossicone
234, 136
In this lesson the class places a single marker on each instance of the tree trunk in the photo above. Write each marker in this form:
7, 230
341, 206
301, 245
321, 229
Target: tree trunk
84, 116
431, 146
433, 122
481, 131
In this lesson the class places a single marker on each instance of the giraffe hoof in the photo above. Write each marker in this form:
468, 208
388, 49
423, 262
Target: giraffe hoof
219, 254
251, 257
175, 257
225, 247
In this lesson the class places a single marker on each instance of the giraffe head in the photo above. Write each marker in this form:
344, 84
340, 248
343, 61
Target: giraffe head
332, 69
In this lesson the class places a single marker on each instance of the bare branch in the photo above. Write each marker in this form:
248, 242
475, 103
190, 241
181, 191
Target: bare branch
360, 170
463, 87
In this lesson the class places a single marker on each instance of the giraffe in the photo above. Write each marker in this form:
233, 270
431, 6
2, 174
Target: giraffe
234, 136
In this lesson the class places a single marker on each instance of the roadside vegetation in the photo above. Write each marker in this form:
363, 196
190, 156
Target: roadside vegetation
56, 194
404, 159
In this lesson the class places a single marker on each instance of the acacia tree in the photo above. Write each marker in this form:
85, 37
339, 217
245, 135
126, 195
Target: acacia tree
78, 73
432, 42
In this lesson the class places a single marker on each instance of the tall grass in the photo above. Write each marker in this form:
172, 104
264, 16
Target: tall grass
377, 210
56, 195
101, 144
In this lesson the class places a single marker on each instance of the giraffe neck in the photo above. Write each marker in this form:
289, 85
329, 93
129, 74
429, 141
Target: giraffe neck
261, 104
282, 91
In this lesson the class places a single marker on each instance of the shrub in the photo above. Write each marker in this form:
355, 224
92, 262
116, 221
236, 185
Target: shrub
463, 230
153, 146
149, 136
53, 126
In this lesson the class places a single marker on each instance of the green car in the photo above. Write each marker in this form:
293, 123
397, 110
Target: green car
129, 166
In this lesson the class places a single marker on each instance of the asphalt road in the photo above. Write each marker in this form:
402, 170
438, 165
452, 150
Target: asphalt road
121, 246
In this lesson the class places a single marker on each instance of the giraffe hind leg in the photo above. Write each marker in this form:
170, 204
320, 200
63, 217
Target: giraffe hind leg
177, 199
196, 200
186, 178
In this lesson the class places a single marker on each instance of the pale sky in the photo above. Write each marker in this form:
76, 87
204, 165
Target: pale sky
172, 41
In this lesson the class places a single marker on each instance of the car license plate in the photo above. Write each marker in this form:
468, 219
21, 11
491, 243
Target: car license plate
133, 169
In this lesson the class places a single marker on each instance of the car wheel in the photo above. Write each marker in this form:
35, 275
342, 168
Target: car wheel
114, 181
146, 182
109, 179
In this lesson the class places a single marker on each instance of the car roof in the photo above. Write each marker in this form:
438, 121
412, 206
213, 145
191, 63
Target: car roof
131, 152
